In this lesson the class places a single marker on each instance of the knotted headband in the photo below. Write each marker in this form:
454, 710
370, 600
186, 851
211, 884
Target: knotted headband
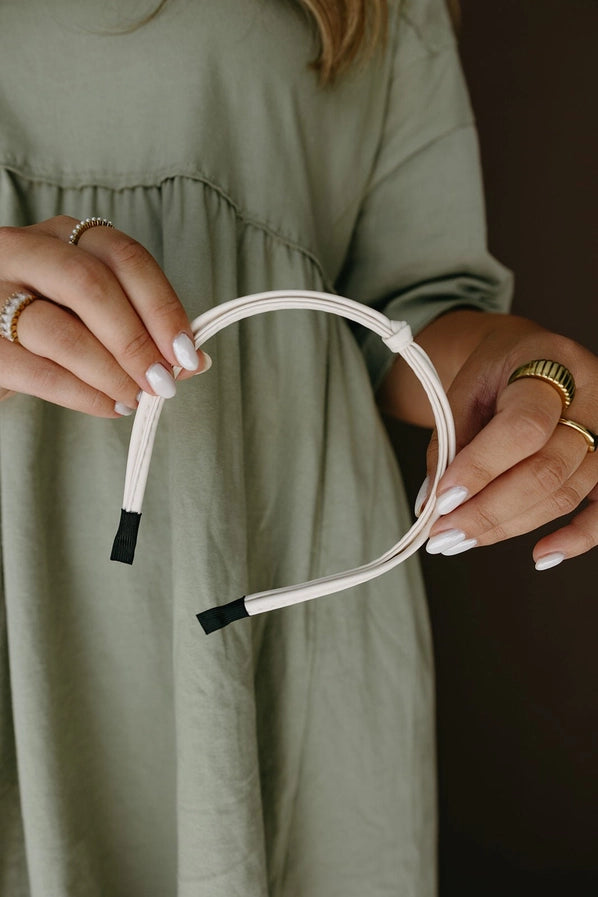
398, 338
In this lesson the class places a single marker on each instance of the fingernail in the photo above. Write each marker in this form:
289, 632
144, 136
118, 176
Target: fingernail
138, 396
123, 409
207, 365
161, 381
421, 496
460, 546
442, 541
451, 499
550, 560
185, 353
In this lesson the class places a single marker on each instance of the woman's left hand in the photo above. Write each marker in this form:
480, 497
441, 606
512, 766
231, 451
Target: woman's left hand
516, 468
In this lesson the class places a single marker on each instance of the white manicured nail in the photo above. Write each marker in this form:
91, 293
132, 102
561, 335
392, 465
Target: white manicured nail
460, 546
123, 409
185, 353
438, 544
161, 381
139, 394
451, 499
208, 363
421, 496
550, 560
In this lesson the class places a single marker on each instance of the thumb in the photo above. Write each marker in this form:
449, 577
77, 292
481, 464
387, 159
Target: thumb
473, 403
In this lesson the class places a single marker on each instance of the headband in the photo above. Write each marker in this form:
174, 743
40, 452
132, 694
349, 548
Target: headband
397, 336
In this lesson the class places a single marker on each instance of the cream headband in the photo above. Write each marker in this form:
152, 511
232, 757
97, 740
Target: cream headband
398, 338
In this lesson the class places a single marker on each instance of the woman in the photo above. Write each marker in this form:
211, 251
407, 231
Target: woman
293, 754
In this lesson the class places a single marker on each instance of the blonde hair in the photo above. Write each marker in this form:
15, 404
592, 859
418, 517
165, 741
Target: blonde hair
352, 29
348, 30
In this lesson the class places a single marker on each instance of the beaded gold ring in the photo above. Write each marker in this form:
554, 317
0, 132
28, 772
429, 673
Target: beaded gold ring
11, 312
86, 224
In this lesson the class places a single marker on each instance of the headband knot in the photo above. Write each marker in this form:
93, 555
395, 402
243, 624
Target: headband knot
400, 338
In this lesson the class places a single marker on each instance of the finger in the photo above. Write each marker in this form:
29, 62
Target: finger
49, 331
458, 531
82, 283
577, 537
431, 464
23, 372
527, 413
528, 495
472, 409
144, 283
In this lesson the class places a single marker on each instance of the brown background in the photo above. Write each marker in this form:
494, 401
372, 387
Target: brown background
516, 650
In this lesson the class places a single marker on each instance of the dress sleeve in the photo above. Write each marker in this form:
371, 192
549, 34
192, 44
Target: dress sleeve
419, 244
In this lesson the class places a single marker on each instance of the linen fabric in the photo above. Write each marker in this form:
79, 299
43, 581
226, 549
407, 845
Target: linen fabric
290, 755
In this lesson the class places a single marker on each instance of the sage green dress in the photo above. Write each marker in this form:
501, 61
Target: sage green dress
291, 754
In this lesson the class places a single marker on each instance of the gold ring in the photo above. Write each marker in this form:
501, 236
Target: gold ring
551, 372
590, 438
11, 312
84, 225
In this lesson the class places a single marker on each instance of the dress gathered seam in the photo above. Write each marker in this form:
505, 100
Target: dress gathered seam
156, 181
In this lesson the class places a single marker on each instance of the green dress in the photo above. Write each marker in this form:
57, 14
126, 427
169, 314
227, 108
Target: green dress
290, 755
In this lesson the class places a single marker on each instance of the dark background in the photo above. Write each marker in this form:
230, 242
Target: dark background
516, 658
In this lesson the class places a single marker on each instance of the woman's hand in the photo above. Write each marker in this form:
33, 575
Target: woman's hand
516, 468
106, 325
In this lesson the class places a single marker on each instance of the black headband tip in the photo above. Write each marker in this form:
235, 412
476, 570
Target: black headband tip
123, 547
218, 617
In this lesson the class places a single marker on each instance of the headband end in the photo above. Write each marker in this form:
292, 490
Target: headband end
218, 617
123, 547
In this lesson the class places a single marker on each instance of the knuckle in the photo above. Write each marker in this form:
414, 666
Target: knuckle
84, 275
486, 521
479, 472
9, 237
566, 499
127, 252
64, 222
563, 347
123, 384
168, 307
549, 472
499, 534
98, 404
138, 345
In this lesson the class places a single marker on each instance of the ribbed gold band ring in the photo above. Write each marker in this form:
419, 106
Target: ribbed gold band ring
551, 372
590, 438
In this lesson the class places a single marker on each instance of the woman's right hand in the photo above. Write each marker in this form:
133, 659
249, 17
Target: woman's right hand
106, 325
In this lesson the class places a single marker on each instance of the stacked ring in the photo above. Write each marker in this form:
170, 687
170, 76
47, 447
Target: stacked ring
557, 375
11, 312
590, 438
86, 224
